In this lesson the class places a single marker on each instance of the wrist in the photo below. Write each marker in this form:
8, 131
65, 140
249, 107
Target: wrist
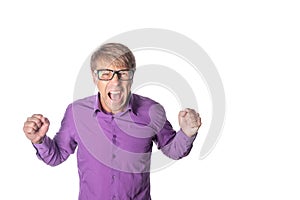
39, 141
188, 133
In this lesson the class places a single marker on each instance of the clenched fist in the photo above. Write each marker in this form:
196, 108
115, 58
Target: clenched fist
189, 121
36, 127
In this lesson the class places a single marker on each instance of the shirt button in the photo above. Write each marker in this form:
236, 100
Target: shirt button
114, 139
113, 156
114, 197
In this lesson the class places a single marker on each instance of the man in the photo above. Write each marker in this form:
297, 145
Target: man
113, 132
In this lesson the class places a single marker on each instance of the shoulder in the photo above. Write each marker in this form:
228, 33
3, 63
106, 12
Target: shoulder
142, 101
145, 104
149, 112
87, 103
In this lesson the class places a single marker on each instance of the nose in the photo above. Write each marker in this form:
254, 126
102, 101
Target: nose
115, 78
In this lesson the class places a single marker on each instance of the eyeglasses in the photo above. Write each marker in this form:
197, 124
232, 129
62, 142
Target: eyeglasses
108, 74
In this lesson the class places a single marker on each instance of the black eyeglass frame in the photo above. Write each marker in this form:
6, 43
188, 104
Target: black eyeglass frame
96, 71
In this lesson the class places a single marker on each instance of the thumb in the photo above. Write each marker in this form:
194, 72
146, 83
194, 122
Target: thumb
182, 113
45, 126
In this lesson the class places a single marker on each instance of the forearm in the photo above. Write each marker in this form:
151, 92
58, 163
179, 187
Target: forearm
49, 152
179, 147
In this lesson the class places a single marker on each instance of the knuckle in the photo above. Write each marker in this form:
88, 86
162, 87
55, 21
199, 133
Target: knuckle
38, 116
31, 123
28, 130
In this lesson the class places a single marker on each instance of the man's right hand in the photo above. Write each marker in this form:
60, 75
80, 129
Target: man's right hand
36, 127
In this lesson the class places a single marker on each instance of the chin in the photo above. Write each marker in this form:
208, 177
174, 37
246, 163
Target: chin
117, 109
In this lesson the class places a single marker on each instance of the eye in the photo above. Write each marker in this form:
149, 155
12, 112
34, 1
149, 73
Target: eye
105, 73
124, 73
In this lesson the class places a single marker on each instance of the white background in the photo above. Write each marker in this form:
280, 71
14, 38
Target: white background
254, 45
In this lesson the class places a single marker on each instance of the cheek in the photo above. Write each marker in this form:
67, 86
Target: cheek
128, 87
101, 87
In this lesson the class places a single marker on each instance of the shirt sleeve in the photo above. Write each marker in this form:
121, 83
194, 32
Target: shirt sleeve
57, 150
179, 147
173, 144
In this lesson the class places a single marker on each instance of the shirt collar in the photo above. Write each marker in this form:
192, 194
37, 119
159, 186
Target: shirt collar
131, 106
97, 105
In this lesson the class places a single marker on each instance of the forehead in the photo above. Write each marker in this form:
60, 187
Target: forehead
114, 65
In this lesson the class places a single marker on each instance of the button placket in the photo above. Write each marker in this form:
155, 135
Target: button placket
113, 179
114, 140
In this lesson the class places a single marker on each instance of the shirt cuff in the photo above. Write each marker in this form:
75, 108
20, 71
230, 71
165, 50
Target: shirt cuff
187, 139
44, 145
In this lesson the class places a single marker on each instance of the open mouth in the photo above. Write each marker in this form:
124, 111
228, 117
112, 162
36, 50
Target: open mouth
114, 95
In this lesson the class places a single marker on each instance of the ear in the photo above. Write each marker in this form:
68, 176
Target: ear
94, 76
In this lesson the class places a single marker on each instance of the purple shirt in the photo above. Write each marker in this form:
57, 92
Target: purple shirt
114, 150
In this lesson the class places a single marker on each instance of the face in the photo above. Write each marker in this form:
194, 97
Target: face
114, 94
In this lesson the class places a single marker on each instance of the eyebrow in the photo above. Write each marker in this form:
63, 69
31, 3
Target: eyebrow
113, 70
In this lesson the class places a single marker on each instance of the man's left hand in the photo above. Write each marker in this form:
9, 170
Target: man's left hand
189, 121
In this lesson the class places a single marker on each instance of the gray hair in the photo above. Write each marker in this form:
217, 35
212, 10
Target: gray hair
115, 54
